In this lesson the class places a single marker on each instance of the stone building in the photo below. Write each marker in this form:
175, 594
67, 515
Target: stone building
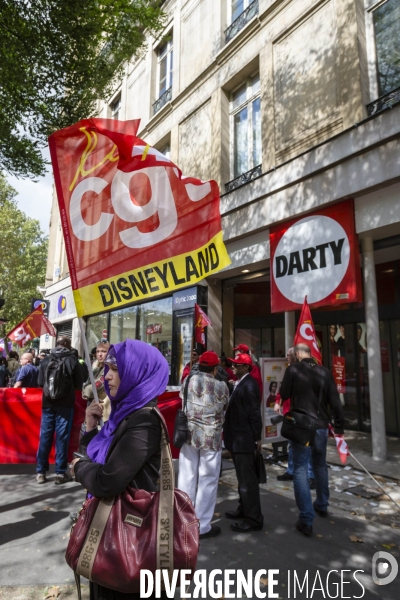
291, 106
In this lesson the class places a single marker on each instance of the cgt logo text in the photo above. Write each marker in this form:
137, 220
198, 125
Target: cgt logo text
232, 583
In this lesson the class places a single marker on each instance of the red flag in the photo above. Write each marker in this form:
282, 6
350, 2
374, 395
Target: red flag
201, 321
305, 333
134, 226
33, 326
341, 444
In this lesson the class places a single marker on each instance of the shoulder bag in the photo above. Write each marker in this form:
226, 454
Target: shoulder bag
300, 427
114, 538
181, 427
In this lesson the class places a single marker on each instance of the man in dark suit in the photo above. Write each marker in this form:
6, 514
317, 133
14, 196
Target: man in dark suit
242, 434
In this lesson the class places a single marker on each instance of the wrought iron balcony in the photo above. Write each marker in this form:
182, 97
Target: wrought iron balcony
243, 178
386, 101
242, 20
162, 101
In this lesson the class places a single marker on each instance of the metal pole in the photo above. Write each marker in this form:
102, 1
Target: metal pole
373, 478
87, 357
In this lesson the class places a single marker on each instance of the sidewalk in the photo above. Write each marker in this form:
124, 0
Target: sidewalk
35, 526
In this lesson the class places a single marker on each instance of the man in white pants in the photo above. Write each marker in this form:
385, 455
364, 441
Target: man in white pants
200, 456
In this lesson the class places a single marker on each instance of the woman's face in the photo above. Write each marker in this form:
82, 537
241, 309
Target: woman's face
113, 380
273, 388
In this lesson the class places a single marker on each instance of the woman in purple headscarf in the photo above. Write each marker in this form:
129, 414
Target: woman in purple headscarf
126, 451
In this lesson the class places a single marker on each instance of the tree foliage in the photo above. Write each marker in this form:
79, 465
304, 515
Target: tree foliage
23, 257
58, 57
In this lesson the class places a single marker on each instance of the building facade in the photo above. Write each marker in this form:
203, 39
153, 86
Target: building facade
291, 106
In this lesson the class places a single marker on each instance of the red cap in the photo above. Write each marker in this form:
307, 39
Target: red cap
242, 348
242, 359
209, 359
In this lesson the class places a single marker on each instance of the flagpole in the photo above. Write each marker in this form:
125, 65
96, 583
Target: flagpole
87, 357
373, 478
191, 352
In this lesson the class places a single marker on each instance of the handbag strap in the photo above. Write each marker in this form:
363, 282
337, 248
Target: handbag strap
93, 537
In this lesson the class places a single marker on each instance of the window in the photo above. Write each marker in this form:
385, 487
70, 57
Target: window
116, 108
165, 58
246, 126
166, 150
237, 7
387, 38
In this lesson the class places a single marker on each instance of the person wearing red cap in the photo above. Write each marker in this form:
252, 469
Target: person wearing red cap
255, 369
242, 435
200, 456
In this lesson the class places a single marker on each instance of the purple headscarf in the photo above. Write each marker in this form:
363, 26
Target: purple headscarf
143, 372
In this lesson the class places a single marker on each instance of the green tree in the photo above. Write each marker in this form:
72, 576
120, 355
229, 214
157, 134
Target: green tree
58, 57
23, 257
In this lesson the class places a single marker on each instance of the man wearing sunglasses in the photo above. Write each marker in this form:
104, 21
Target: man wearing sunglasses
242, 435
194, 368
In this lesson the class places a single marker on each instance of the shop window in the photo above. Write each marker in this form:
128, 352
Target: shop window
387, 35
150, 323
387, 282
245, 112
123, 324
96, 330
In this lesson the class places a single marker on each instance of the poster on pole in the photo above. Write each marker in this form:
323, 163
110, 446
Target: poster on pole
134, 226
273, 370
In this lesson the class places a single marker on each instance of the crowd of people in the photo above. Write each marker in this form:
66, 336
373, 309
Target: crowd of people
120, 442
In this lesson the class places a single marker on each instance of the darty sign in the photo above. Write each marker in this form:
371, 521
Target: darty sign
316, 256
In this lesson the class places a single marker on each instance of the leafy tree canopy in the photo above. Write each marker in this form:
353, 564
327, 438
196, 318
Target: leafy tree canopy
58, 57
23, 257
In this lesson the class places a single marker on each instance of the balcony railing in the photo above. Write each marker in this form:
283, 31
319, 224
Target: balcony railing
243, 178
162, 101
386, 101
242, 20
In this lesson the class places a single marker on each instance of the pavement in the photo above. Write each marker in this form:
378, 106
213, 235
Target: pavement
35, 525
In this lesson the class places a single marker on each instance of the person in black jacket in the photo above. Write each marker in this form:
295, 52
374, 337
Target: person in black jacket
242, 435
126, 451
311, 387
57, 414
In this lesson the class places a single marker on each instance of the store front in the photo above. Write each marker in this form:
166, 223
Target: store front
166, 324
342, 334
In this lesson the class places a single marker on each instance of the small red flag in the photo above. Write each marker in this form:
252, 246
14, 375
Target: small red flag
341, 444
201, 321
33, 326
305, 333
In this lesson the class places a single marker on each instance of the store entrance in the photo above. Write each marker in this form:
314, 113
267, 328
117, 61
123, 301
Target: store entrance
390, 358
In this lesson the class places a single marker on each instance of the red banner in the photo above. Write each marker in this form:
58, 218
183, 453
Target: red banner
35, 325
316, 256
134, 227
305, 333
201, 320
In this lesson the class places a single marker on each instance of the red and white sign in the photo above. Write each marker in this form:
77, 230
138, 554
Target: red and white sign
339, 373
156, 328
316, 256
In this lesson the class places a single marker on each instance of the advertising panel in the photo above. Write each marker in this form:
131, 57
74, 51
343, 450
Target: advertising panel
316, 256
273, 370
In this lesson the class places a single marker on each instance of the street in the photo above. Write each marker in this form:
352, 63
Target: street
35, 528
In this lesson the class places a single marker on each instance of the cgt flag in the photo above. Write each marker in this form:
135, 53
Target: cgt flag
341, 444
35, 325
305, 333
134, 226
201, 320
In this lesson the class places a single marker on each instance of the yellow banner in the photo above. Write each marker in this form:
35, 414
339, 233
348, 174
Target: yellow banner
153, 280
